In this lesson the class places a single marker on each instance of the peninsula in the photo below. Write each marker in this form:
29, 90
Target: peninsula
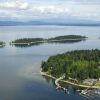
80, 67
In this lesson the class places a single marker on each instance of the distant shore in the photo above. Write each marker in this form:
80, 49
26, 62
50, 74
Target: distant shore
68, 82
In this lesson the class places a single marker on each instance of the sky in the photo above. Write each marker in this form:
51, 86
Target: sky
47, 9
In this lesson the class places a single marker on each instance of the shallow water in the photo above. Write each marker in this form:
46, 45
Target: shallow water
19, 67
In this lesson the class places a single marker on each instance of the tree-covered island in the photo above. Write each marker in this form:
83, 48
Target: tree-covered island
2, 44
79, 66
36, 41
27, 42
67, 38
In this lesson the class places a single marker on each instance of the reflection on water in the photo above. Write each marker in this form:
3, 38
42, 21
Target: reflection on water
19, 67
49, 80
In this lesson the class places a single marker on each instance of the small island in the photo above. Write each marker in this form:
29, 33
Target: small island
36, 41
67, 38
27, 42
79, 67
2, 44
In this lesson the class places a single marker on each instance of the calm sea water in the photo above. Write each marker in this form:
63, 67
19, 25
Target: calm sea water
19, 67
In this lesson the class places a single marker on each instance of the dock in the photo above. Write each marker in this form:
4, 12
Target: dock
58, 86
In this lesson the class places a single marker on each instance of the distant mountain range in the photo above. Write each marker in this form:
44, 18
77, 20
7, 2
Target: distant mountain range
64, 22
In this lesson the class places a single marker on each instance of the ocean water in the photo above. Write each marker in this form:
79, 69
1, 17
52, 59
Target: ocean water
19, 67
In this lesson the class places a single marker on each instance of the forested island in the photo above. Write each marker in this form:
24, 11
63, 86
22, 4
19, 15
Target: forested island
79, 65
67, 38
2, 44
27, 42
59, 39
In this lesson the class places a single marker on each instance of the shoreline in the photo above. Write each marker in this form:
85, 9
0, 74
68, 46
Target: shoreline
68, 82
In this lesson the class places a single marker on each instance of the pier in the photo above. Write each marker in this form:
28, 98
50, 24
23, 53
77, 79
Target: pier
58, 86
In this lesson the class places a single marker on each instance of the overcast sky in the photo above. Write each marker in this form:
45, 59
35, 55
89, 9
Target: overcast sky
41, 9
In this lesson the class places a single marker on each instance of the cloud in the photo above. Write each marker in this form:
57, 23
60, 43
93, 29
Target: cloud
13, 4
32, 9
50, 9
